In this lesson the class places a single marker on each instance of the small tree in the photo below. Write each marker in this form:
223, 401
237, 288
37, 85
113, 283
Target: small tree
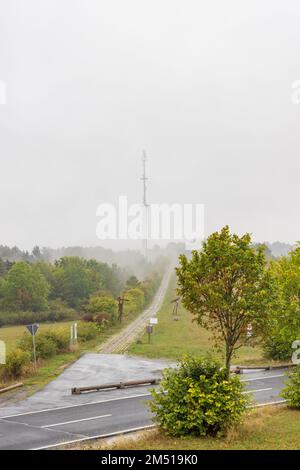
102, 303
283, 326
24, 288
226, 288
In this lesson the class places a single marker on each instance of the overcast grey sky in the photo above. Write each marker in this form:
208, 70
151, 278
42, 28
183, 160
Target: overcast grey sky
204, 86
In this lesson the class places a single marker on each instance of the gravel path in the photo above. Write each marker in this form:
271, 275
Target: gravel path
120, 342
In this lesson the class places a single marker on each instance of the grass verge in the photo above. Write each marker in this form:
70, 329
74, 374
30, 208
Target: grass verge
49, 369
173, 339
269, 428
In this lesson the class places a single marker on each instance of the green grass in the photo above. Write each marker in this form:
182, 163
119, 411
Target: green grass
49, 369
11, 334
173, 339
270, 428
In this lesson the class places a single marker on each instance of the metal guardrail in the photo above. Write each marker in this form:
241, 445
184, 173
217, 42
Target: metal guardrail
120, 385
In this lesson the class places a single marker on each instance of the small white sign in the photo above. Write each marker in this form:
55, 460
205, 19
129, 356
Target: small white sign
2, 352
153, 321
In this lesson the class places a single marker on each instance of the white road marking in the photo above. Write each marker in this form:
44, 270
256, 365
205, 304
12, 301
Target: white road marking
75, 406
75, 421
278, 402
116, 399
263, 378
100, 436
259, 390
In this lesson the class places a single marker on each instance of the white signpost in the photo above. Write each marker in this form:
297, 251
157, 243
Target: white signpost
32, 330
2, 352
73, 336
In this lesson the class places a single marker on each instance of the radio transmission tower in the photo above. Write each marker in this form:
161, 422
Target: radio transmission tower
145, 207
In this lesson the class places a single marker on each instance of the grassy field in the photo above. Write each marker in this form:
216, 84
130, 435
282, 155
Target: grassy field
173, 339
49, 369
270, 428
11, 334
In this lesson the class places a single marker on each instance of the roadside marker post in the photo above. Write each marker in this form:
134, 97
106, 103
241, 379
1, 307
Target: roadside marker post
153, 321
73, 335
2, 352
33, 330
149, 330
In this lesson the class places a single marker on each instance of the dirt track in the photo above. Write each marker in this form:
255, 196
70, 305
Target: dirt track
120, 342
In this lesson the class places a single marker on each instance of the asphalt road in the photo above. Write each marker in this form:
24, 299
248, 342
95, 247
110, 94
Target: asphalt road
100, 417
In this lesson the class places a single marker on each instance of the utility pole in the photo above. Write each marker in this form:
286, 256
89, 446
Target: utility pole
145, 207
121, 300
175, 308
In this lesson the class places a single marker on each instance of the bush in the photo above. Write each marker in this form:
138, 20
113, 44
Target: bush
48, 342
135, 300
101, 303
88, 318
291, 392
103, 319
59, 336
45, 347
278, 346
16, 363
57, 312
196, 398
87, 331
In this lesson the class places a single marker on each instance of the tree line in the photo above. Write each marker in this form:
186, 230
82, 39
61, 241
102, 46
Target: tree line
70, 286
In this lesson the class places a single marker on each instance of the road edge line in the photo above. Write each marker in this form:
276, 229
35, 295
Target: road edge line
100, 436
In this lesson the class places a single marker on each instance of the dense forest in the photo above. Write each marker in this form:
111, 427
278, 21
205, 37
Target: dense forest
37, 290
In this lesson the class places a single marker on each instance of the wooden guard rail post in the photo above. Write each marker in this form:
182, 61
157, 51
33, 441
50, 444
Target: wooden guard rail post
130, 383
11, 387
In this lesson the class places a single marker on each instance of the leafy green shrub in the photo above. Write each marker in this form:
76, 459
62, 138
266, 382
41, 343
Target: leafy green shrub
59, 311
197, 398
149, 287
103, 319
291, 392
278, 346
101, 303
88, 318
135, 300
59, 336
48, 342
16, 363
45, 346
87, 331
